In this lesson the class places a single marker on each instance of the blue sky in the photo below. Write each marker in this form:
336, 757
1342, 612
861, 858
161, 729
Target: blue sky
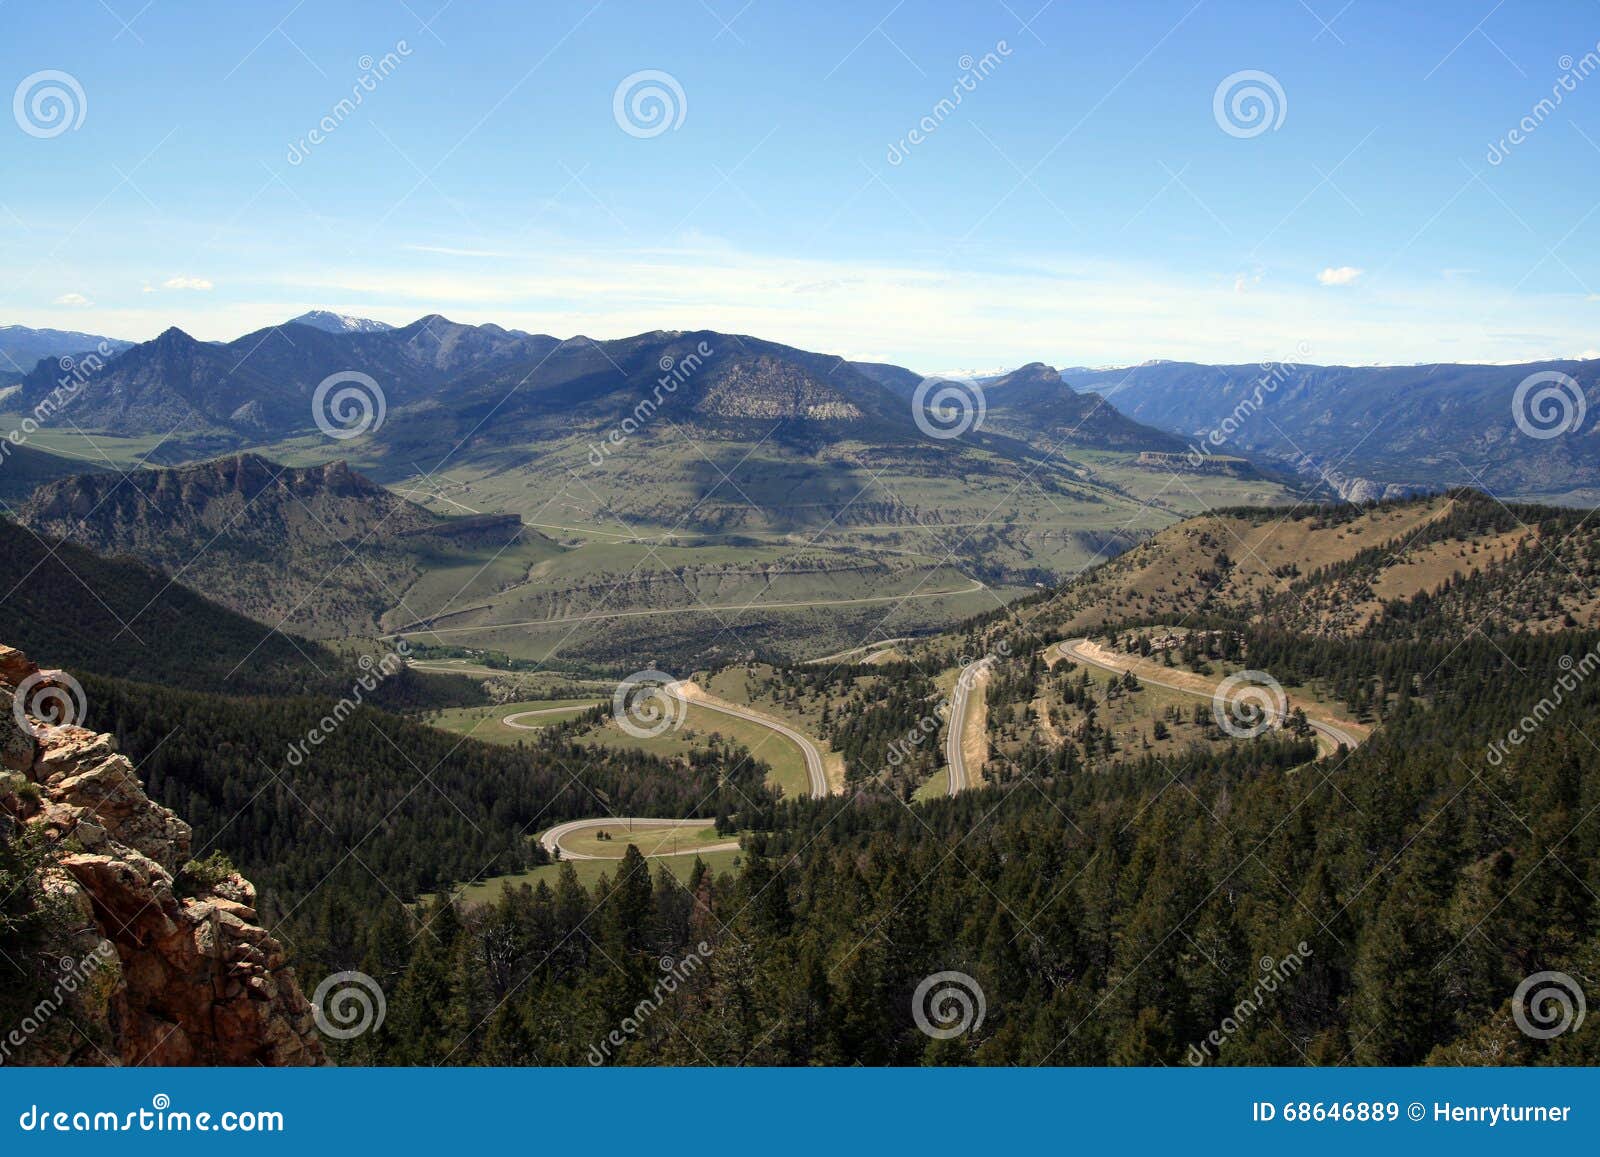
1081, 205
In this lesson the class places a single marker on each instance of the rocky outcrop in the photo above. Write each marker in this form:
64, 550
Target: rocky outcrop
160, 966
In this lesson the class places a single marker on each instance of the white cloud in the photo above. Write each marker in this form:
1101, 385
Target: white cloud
451, 251
74, 299
1343, 275
188, 283
914, 313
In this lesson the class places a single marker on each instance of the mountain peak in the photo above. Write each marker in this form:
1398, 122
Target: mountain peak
171, 341
1033, 371
330, 322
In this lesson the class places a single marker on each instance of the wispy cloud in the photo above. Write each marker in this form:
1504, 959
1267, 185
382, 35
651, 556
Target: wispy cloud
198, 283
919, 314
75, 300
1342, 275
451, 251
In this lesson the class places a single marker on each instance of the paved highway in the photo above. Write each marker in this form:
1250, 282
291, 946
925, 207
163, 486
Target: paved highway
687, 692
972, 678
552, 838
1073, 649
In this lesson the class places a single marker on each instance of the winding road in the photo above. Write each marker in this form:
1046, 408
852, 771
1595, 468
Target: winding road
961, 745
973, 677
687, 692
551, 840
511, 720
880, 645
1334, 733
429, 625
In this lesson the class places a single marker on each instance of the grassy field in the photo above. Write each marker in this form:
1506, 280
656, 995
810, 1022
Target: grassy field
1179, 493
787, 762
652, 840
661, 552
475, 669
487, 723
94, 450
590, 871
736, 684
613, 599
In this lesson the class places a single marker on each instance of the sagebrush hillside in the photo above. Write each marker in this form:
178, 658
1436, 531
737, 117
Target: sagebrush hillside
1351, 571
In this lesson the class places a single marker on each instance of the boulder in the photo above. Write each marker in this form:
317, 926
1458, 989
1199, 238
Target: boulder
152, 977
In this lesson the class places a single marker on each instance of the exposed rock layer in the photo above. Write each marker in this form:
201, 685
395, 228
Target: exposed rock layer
153, 974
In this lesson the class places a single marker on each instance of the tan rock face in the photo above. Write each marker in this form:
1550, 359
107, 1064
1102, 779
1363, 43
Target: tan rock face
16, 745
151, 977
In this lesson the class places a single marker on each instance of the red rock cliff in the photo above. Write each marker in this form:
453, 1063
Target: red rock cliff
159, 978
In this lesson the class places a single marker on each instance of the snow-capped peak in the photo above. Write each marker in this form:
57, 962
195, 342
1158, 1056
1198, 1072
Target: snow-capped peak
331, 322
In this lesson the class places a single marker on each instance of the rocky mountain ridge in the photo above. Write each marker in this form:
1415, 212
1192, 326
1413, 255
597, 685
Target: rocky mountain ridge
264, 538
1383, 432
161, 964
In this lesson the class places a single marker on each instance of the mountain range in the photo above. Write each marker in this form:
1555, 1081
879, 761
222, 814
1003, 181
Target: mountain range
22, 348
1363, 432
260, 385
1380, 431
439, 376
672, 471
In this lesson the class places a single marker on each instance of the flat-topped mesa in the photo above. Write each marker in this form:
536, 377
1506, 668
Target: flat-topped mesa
157, 968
